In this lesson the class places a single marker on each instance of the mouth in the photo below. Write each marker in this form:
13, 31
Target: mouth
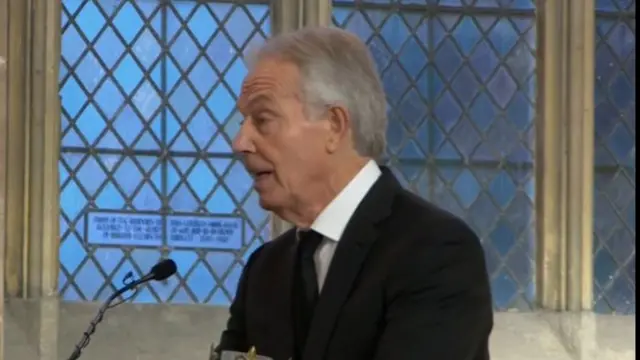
260, 175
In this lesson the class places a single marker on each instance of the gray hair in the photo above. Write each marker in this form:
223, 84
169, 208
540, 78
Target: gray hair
336, 69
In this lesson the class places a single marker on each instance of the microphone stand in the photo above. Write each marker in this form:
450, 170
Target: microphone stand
86, 336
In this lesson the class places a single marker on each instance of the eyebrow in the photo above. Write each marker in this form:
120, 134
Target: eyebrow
258, 100
263, 103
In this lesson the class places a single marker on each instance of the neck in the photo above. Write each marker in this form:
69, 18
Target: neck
308, 208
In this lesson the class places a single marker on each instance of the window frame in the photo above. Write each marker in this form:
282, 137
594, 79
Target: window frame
563, 213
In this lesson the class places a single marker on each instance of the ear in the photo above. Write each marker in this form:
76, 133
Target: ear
339, 127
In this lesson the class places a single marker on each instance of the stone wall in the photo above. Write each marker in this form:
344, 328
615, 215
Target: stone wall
48, 330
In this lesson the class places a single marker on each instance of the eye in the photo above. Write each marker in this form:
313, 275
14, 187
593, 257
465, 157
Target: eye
259, 120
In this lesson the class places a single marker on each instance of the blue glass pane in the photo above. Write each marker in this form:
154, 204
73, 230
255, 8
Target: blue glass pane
502, 87
239, 26
72, 253
90, 72
502, 238
183, 101
109, 98
503, 288
184, 50
124, 95
448, 59
72, 6
440, 190
483, 111
467, 188
466, 137
128, 74
221, 201
89, 279
109, 47
234, 76
202, 24
147, 100
201, 76
128, 125
221, 103
447, 111
502, 189
199, 282
182, 197
238, 181
90, 20
221, 51
201, 179
484, 60
202, 128
465, 86
72, 96
128, 22
147, 49
91, 124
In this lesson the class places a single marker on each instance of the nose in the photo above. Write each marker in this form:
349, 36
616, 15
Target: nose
242, 143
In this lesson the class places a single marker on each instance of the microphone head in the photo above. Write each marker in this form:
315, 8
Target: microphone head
163, 269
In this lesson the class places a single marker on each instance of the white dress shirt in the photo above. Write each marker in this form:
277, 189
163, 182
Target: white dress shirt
334, 218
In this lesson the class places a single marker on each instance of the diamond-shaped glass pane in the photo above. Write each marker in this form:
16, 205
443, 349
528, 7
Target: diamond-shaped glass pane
461, 93
148, 91
615, 160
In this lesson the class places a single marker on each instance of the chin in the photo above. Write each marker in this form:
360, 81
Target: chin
275, 205
268, 203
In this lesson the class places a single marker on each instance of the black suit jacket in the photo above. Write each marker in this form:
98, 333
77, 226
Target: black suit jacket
407, 281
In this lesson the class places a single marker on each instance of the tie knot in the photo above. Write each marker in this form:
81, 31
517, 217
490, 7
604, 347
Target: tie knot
309, 242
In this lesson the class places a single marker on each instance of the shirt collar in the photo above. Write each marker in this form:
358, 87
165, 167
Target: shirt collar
334, 218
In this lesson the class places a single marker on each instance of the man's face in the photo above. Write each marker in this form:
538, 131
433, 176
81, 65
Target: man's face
284, 151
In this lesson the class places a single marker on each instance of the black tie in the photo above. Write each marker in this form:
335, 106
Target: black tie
306, 287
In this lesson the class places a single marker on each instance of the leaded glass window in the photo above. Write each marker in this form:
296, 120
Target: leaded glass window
148, 91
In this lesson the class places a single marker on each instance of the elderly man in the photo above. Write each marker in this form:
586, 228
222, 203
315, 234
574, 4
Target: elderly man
370, 271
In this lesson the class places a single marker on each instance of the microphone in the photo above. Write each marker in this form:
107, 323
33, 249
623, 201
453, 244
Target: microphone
160, 271
163, 270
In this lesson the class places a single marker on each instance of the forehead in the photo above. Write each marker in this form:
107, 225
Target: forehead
270, 77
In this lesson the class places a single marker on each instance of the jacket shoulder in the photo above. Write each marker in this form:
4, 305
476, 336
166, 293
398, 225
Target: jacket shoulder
273, 246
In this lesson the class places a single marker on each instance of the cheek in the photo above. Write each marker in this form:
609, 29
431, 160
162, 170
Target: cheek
297, 155
302, 154
303, 165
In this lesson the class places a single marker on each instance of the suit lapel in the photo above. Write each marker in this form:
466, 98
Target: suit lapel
352, 250
281, 282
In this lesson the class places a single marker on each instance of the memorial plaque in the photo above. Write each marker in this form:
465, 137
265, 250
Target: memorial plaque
123, 229
135, 229
223, 232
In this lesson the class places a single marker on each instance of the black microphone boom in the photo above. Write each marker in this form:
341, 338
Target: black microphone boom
160, 271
